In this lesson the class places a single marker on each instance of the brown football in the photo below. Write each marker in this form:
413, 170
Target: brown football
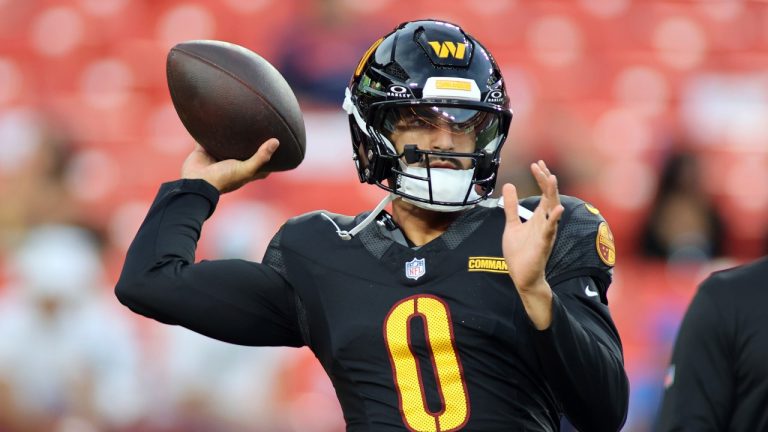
231, 100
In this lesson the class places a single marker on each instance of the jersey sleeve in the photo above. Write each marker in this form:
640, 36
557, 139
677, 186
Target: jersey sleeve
581, 357
580, 352
699, 383
234, 301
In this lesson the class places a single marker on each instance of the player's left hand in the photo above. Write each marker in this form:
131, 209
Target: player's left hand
527, 246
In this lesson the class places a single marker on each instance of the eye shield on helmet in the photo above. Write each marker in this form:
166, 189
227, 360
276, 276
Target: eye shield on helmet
483, 125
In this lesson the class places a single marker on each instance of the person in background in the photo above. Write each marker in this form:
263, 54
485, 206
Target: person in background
718, 376
67, 355
683, 224
318, 49
36, 156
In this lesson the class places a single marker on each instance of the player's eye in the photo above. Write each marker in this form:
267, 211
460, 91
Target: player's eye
413, 123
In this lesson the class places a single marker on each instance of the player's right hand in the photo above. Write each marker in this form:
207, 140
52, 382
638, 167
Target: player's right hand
230, 174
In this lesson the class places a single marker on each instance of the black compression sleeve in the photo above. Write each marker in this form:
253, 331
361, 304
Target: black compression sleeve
581, 358
231, 300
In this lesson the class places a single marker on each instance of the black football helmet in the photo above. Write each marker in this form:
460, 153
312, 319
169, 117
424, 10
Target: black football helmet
428, 74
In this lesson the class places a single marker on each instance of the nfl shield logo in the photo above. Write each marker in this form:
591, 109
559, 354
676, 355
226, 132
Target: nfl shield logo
415, 268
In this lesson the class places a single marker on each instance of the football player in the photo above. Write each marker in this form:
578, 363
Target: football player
717, 379
453, 310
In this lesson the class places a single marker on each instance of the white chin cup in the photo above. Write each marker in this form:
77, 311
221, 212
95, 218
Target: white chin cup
448, 185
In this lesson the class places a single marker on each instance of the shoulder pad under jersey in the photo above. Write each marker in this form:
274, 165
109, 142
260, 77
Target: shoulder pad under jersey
317, 229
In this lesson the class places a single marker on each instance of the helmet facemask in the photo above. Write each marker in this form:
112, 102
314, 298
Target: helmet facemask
442, 156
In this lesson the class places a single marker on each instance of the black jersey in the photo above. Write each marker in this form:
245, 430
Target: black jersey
718, 379
425, 339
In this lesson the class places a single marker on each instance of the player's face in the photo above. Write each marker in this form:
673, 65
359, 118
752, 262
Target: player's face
437, 129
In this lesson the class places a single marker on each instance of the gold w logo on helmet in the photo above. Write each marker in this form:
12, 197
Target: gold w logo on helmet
445, 49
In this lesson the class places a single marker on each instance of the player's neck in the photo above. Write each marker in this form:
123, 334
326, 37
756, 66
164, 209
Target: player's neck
419, 225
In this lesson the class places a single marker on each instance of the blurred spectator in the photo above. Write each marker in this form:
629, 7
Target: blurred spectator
683, 224
34, 159
717, 379
321, 46
68, 358
207, 385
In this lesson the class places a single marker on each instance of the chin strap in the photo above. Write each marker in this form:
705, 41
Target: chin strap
347, 235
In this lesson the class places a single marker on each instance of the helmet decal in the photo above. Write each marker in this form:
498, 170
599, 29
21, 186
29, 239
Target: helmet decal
449, 49
445, 44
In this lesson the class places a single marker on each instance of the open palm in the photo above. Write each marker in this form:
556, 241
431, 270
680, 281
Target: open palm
527, 246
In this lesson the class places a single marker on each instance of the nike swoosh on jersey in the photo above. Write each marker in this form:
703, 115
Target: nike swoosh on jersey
589, 292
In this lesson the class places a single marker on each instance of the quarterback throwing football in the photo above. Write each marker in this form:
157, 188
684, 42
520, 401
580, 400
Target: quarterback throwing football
452, 311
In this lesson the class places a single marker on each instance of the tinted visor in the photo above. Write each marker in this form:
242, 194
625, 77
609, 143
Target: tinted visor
481, 127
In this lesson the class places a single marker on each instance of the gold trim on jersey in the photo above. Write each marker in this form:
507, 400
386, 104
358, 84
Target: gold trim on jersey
487, 264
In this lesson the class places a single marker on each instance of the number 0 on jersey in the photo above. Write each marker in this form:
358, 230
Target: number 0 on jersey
447, 366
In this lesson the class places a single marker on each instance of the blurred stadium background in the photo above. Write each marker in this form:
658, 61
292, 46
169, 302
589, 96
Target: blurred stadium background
653, 110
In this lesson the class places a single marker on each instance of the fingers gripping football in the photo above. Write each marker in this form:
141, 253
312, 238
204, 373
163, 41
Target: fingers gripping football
230, 174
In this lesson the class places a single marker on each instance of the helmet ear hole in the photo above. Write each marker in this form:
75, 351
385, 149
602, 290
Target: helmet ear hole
371, 167
360, 152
